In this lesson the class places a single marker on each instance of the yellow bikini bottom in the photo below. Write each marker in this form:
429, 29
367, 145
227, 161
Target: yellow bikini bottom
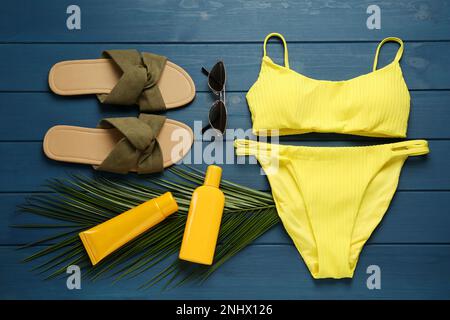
331, 199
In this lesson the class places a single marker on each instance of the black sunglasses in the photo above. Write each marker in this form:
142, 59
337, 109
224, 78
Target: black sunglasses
218, 112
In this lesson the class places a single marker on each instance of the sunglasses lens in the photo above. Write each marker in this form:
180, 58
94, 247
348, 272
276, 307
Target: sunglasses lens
216, 77
218, 116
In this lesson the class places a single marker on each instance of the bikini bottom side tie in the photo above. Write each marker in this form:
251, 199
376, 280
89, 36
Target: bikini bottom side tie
330, 199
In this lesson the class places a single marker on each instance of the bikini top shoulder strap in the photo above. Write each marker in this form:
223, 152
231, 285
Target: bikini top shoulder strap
286, 55
397, 56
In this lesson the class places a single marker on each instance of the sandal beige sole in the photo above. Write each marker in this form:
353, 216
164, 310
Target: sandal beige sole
92, 146
77, 77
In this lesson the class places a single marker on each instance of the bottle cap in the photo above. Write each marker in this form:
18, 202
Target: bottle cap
166, 204
213, 176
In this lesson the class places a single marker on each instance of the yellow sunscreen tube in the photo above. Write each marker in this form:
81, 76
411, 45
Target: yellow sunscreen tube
102, 240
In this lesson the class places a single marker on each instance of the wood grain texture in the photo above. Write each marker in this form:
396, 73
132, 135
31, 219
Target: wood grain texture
413, 272
429, 115
425, 65
27, 160
410, 216
230, 20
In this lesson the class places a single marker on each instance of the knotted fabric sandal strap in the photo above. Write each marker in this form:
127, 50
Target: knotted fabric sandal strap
138, 149
151, 99
138, 83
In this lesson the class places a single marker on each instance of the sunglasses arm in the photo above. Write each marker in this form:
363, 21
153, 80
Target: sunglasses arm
205, 72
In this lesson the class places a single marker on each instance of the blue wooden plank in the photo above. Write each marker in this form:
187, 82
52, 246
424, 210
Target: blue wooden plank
12, 216
27, 161
429, 116
413, 217
175, 21
426, 65
407, 272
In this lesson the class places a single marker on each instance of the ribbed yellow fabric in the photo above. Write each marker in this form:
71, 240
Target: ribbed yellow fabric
331, 199
374, 104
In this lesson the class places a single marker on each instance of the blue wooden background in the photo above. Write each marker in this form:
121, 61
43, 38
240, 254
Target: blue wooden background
327, 40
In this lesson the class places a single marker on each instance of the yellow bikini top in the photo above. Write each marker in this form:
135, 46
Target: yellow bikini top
374, 104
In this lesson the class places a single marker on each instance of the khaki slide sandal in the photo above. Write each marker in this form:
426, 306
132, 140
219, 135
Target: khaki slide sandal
125, 77
146, 144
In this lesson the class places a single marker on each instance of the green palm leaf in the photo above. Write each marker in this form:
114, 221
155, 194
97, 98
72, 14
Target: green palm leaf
83, 202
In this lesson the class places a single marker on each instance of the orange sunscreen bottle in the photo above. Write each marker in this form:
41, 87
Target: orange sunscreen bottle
107, 237
203, 222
